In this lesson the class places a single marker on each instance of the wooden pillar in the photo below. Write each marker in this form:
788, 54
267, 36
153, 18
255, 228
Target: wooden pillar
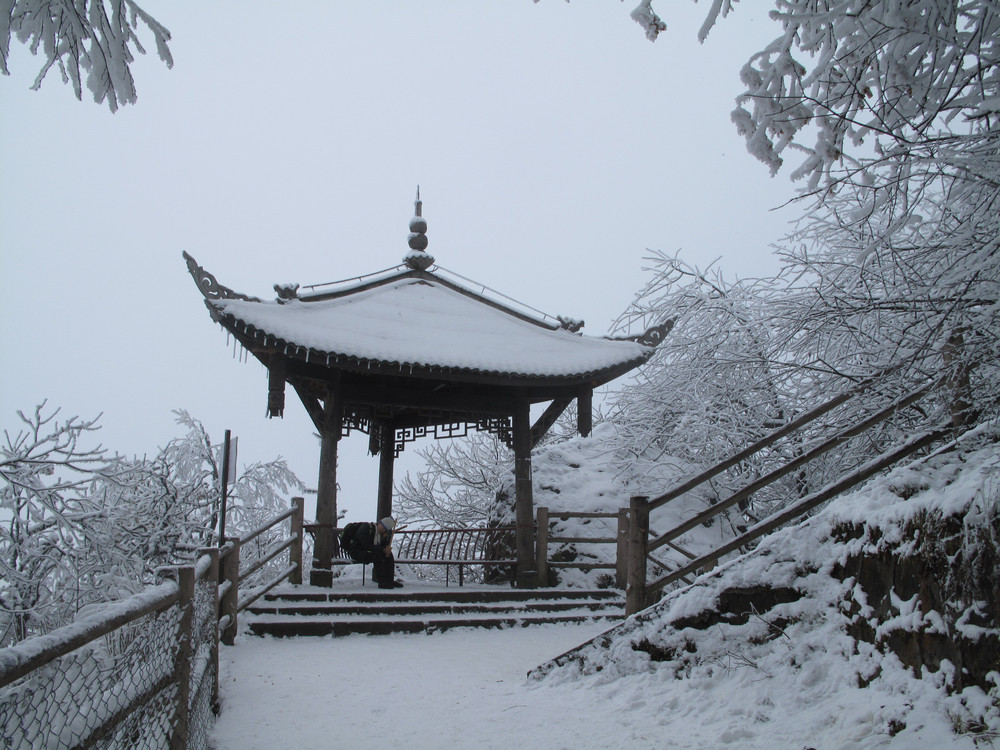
211, 581
585, 411
621, 559
387, 457
326, 489
295, 531
527, 573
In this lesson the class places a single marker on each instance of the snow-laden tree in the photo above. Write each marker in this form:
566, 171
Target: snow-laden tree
727, 376
460, 484
55, 554
893, 111
78, 526
711, 388
91, 42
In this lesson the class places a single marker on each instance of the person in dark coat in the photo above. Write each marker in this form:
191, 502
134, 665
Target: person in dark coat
383, 563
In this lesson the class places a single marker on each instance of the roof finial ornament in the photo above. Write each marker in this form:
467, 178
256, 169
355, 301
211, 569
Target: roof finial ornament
417, 259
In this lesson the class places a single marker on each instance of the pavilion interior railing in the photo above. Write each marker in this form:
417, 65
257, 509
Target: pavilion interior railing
143, 672
484, 554
642, 543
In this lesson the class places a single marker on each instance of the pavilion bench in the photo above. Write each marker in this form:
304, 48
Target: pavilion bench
448, 547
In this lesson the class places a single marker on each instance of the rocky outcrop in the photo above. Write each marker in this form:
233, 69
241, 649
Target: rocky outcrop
931, 595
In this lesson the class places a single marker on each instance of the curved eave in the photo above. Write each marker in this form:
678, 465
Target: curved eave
263, 345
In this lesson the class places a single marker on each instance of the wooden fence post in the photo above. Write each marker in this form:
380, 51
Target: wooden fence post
295, 551
229, 604
542, 546
212, 582
182, 663
621, 559
638, 541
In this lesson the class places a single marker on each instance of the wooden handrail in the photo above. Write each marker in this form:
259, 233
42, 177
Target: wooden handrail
790, 427
189, 668
641, 545
261, 590
771, 477
266, 525
29, 655
261, 562
804, 505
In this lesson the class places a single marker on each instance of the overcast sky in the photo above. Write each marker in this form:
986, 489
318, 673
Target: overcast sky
552, 144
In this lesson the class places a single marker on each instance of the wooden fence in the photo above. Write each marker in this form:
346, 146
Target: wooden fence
544, 537
641, 592
143, 672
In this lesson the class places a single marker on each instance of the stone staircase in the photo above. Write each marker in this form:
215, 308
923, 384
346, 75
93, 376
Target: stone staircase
306, 610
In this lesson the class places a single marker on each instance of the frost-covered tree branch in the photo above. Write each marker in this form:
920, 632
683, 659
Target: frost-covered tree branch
894, 111
89, 41
79, 527
459, 486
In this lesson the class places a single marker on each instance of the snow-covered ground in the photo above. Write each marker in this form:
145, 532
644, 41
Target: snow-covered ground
469, 689
757, 685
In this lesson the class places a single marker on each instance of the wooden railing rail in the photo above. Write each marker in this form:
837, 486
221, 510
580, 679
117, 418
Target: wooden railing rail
804, 505
270, 524
188, 653
796, 424
641, 543
797, 463
544, 517
29, 655
234, 572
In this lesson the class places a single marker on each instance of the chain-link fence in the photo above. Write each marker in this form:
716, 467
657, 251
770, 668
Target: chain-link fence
143, 673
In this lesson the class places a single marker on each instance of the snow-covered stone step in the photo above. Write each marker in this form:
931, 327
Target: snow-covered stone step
397, 609
453, 594
290, 626
299, 611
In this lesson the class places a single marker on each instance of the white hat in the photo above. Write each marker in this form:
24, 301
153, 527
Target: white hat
389, 522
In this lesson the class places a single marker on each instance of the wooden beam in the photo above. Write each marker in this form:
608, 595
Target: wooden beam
276, 371
317, 369
548, 418
313, 406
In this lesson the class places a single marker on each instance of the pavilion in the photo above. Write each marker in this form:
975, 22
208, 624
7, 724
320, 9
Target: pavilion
414, 351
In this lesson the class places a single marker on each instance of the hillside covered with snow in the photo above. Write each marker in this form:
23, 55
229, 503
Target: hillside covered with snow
877, 619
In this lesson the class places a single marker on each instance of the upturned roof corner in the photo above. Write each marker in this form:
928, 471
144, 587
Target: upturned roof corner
209, 286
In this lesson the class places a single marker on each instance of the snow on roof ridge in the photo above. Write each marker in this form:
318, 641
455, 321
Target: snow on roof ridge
354, 280
555, 320
477, 288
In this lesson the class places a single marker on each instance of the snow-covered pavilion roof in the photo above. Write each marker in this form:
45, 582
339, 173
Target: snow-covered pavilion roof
418, 320
413, 348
